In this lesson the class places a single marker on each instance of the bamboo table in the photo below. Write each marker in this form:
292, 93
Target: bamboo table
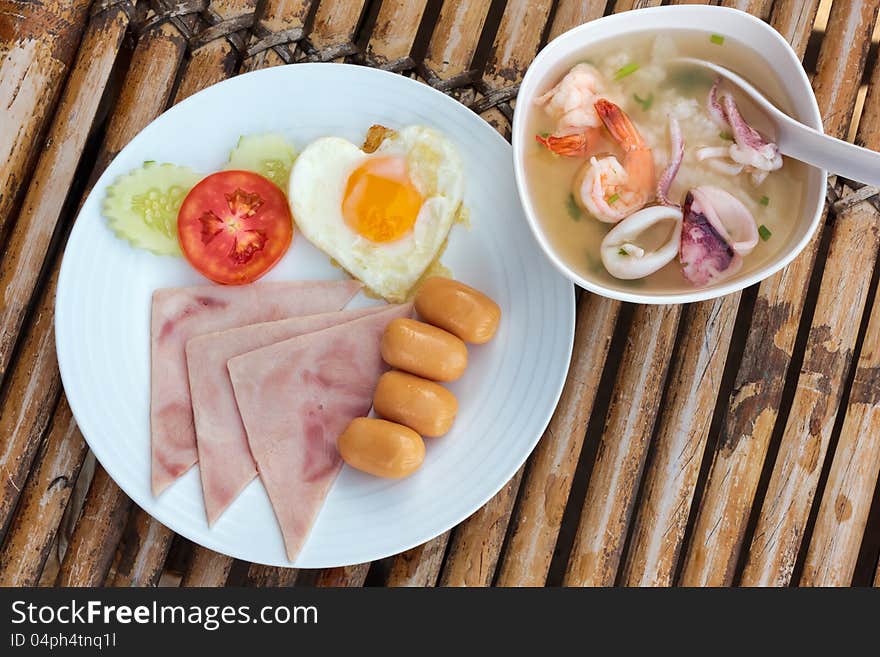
734, 441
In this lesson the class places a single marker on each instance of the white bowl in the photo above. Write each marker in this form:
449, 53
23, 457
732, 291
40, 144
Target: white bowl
767, 44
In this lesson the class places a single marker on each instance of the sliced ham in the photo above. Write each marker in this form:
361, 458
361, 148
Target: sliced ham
179, 314
295, 398
225, 462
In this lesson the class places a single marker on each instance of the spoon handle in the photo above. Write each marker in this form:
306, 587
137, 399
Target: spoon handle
848, 160
803, 142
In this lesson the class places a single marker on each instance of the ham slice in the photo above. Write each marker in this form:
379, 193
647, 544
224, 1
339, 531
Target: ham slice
225, 462
295, 398
181, 313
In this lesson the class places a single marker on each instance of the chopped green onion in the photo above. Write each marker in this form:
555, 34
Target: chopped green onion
725, 135
764, 200
544, 135
717, 39
573, 210
645, 102
622, 251
764, 232
623, 71
613, 198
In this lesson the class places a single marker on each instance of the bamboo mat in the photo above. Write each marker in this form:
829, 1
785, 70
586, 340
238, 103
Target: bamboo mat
734, 441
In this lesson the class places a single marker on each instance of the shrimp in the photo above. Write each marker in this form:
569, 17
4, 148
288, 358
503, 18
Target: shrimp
570, 145
571, 104
608, 189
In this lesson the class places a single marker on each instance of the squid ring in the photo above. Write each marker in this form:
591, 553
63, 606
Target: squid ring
624, 259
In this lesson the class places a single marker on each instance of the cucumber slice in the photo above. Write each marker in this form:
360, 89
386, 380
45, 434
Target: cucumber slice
270, 155
141, 206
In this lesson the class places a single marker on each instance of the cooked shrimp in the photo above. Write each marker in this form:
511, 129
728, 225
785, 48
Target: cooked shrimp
608, 189
571, 104
570, 145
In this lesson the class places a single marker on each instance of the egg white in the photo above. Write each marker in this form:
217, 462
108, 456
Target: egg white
317, 187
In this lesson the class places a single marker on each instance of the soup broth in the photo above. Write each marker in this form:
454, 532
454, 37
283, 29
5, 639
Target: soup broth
636, 75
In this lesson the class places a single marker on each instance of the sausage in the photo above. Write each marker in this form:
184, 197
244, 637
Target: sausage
461, 310
381, 448
422, 405
422, 349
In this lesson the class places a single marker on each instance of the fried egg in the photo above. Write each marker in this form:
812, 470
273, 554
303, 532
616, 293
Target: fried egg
384, 215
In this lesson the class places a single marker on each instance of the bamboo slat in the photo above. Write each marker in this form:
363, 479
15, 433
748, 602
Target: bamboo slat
537, 527
419, 566
846, 501
206, 568
30, 399
143, 551
615, 478
447, 63
547, 482
389, 47
278, 27
391, 41
34, 385
840, 525
97, 534
754, 402
877, 576
794, 19
333, 36
681, 440
515, 45
807, 433
335, 29
843, 512
216, 48
626, 5
144, 95
760, 8
347, 576
571, 13
29, 240
475, 545
266, 576
855, 236
452, 47
38, 41
671, 478
149, 81
541, 494
538, 519
217, 44
43, 501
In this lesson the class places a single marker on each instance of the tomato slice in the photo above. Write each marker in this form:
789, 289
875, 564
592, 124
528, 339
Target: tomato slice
234, 226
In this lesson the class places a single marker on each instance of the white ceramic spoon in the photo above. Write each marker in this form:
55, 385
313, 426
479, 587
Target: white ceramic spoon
802, 142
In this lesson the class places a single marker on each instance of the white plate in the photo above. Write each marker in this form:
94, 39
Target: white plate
506, 396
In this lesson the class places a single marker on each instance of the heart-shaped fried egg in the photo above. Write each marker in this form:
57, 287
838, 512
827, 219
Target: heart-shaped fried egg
384, 216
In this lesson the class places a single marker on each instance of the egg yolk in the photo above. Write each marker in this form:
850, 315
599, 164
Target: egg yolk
381, 203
